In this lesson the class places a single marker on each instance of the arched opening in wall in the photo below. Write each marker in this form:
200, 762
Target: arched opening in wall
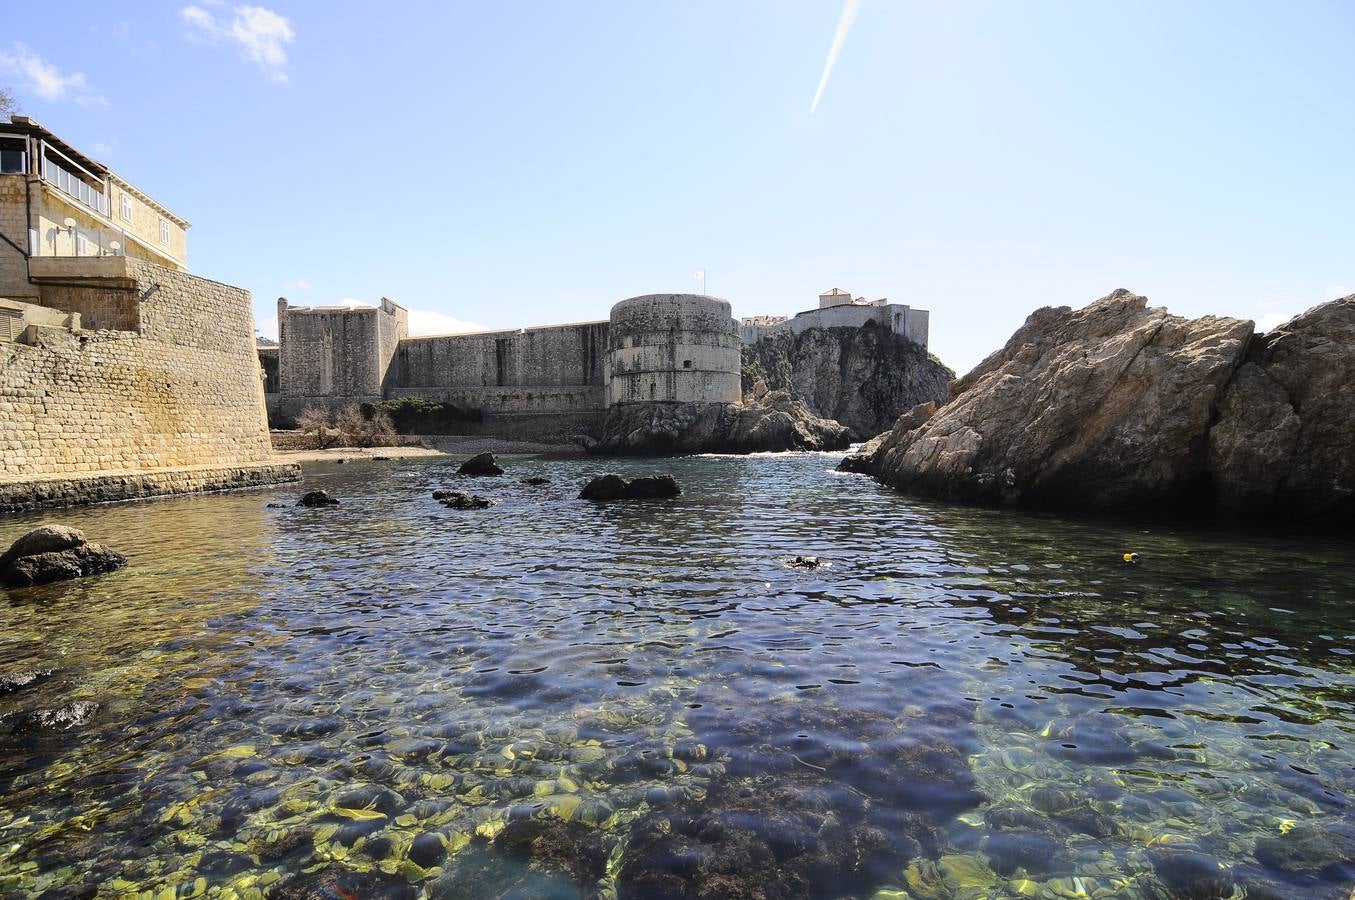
653, 390
686, 364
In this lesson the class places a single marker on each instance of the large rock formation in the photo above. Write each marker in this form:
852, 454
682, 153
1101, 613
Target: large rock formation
863, 377
1284, 442
771, 422
1118, 407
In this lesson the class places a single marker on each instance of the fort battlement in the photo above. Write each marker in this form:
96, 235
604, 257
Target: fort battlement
655, 348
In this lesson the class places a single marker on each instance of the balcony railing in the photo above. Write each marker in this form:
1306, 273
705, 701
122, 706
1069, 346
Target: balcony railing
70, 183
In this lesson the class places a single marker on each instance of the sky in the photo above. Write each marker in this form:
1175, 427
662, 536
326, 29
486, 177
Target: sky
497, 165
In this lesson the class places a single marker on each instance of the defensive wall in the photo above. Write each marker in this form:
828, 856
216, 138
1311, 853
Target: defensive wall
129, 379
516, 383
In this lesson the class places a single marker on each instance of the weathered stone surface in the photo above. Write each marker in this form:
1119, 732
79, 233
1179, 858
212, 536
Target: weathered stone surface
1117, 407
44, 539
53, 553
76, 490
481, 464
1284, 443
1102, 408
163, 375
773, 423
863, 378
317, 498
535, 480
646, 487
462, 500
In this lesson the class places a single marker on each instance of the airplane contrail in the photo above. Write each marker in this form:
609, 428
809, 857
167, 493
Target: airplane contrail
844, 25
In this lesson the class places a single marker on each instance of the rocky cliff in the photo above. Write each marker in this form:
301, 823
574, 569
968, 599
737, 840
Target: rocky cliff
862, 377
772, 421
1120, 407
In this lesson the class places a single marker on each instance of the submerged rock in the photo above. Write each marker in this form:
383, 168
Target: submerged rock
535, 480
60, 718
772, 423
317, 498
462, 500
614, 487
481, 464
337, 881
53, 553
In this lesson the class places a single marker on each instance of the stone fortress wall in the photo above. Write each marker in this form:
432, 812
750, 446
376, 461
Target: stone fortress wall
175, 385
673, 348
662, 347
528, 371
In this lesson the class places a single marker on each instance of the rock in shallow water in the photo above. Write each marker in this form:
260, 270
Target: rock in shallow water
481, 464
614, 487
317, 498
462, 500
52, 553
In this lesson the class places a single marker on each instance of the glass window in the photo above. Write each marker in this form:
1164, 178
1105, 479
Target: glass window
126, 208
164, 232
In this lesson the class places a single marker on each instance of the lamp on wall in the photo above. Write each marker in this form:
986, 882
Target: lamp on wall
70, 230
115, 247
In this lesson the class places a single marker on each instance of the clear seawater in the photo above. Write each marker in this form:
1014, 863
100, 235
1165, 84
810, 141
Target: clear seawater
552, 698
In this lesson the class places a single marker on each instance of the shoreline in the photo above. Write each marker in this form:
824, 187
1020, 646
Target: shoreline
445, 445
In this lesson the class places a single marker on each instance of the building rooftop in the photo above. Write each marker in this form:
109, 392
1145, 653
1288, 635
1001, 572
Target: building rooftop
27, 126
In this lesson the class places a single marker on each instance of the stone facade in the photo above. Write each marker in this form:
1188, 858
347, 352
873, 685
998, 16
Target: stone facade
179, 389
329, 355
837, 309
45, 184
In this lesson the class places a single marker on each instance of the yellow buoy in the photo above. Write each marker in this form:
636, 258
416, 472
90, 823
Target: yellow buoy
1131, 557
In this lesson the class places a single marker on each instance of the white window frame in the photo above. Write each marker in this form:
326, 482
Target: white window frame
164, 232
125, 207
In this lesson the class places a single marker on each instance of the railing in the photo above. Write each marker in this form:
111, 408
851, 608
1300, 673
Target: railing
70, 183
13, 162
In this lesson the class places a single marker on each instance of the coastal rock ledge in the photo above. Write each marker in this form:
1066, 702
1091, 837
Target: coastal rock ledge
768, 423
1118, 407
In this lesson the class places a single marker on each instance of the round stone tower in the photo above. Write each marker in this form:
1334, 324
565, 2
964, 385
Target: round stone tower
673, 348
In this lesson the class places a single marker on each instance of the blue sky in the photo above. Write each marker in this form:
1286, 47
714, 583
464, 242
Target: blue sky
515, 163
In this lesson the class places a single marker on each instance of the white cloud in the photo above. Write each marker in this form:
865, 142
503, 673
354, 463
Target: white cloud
267, 327
296, 284
46, 80
424, 322
260, 34
1271, 321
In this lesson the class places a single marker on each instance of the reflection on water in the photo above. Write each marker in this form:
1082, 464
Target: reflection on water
555, 699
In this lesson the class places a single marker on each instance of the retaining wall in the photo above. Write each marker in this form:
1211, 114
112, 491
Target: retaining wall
183, 390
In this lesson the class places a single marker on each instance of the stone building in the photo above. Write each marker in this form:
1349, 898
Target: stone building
528, 382
838, 309
121, 375
56, 202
